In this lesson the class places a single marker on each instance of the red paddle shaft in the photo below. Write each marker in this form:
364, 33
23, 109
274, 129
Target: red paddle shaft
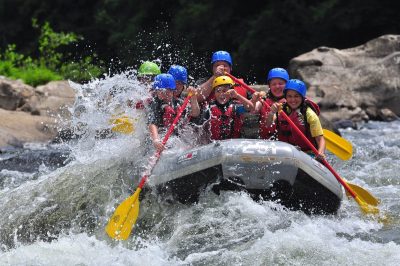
165, 139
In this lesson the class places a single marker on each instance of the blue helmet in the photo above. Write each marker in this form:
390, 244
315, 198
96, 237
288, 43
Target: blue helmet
221, 56
278, 73
296, 85
164, 81
179, 73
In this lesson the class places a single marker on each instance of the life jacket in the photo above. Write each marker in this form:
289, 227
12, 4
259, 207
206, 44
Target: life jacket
289, 135
313, 105
264, 131
169, 114
222, 122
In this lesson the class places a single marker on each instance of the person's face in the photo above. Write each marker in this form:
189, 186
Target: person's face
221, 64
221, 95
179, 88
165, 95
277, 85
293, 99
145, 79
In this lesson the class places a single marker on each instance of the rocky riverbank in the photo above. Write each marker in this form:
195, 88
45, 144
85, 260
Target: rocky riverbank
351, 86
29, 114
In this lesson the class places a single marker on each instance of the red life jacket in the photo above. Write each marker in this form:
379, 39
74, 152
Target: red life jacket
313, 105
169, 114
267, 132
289, 135
222, 123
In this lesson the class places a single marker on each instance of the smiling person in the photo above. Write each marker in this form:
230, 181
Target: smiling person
276, 80
302, 115
221, 116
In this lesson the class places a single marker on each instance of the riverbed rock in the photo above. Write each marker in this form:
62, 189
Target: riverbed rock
18, 127
14, 93
356, 83
52, 99
29, 114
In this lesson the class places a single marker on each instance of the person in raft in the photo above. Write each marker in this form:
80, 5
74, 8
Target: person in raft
221, 63
164, 108
302, 115
181, 79
219, 117
276, 80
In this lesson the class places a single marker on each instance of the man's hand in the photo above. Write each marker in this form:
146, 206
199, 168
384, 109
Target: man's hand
219, 71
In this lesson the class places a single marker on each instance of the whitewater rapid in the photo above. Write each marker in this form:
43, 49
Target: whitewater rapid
57, 217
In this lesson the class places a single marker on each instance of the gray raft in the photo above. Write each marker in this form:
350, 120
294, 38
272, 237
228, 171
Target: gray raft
265, 169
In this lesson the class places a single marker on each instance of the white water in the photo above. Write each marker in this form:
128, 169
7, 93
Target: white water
230, 229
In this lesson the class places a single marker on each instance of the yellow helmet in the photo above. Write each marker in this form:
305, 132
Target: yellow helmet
222, 80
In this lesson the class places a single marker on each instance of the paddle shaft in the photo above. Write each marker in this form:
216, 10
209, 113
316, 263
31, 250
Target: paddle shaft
325, 162
164, 141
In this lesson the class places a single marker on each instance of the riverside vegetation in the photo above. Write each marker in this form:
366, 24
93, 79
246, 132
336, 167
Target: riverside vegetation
51, 62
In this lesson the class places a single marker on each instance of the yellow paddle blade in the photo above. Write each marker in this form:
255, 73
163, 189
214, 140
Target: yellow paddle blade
366, 208
338, 145
123, 124
120, 225
363, 194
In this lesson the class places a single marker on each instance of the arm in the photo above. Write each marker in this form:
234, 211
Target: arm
321, 147
271, 117
195, 109
321, 144
256, 99
316, 132
246, 103
206, 88
153, 129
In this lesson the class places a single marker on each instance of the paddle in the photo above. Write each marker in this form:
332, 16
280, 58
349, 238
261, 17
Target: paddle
124, 218
122, 124
338, 145
366, 203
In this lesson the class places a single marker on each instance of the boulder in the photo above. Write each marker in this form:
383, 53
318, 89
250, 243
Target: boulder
30, 114
52, 99
356, 83
14, 93
19, 127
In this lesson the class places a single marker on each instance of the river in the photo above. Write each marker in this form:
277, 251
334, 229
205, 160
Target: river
54, 212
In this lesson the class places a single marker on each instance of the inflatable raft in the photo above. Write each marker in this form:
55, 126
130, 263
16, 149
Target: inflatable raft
270, 170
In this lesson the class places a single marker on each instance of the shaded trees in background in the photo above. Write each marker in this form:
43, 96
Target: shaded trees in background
259, 34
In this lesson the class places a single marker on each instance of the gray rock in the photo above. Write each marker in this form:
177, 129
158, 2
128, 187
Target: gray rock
30, 114
13, 93
353, 84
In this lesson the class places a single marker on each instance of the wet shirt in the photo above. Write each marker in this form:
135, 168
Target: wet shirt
156, 110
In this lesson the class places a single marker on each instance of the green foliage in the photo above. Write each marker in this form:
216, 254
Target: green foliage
36, 75
84, 70
49, 42
50, 64
259, 34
